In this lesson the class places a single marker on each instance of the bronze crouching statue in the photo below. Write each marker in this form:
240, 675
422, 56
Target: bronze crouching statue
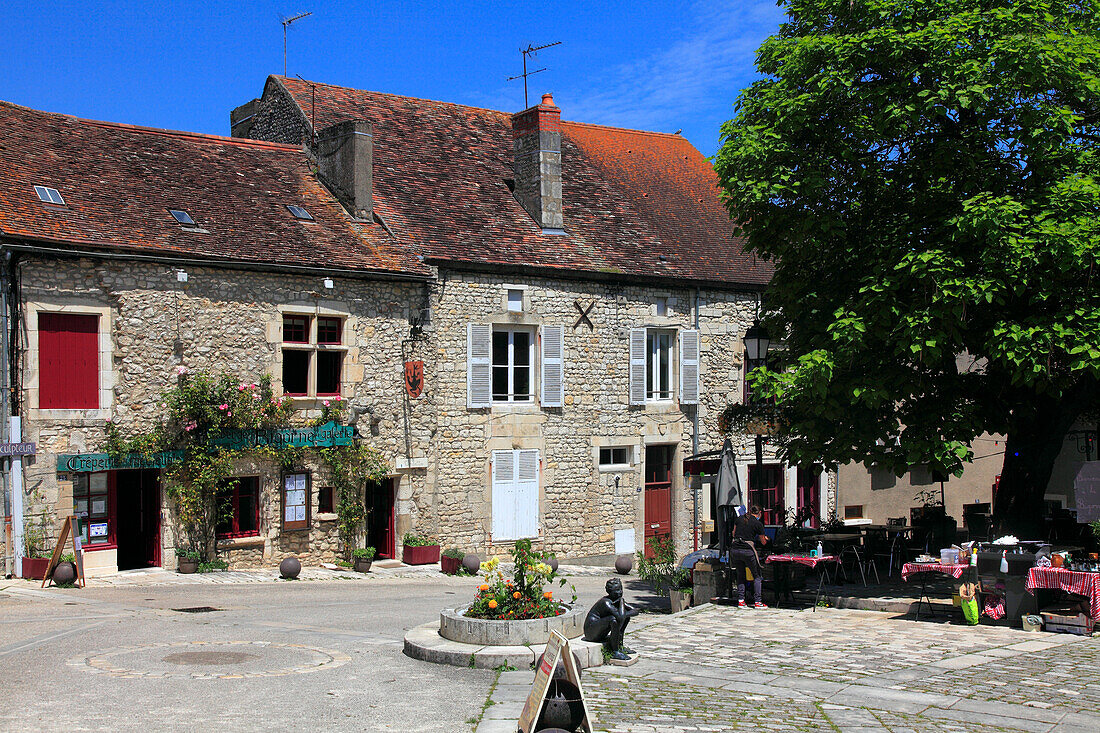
607, 620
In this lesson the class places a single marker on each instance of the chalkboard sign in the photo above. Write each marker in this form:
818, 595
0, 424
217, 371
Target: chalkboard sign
1086, 489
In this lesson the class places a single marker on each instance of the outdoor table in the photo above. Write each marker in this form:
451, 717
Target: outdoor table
809, 561
1072, 581
923, 569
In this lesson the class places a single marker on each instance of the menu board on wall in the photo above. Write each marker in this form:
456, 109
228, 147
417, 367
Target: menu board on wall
295, 500
1086, 489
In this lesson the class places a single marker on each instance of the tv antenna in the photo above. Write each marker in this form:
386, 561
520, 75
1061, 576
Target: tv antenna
286, 22
530, 51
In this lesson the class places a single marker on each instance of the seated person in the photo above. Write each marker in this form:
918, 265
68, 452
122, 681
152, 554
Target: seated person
748, 534
608, 618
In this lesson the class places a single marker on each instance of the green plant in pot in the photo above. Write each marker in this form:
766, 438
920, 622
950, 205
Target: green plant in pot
662, 570
363, 557
419, 549
187, 561
451, 561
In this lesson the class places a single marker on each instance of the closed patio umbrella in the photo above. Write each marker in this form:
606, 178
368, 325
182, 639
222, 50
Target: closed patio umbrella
727, 495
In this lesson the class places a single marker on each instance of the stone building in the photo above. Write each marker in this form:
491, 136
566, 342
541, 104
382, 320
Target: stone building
569, 298
586, 323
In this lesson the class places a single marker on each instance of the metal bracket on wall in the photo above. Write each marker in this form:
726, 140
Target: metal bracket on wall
584, 314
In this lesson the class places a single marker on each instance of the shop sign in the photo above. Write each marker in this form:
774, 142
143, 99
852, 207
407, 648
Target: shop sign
17, 449
315, 436
86, 462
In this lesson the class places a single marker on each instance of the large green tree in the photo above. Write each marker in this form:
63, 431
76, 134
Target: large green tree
923, 174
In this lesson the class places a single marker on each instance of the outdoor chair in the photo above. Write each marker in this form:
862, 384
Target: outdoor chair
977, 526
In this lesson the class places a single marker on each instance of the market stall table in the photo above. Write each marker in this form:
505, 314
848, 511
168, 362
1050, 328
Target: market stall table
1079, 582
924, 569
810, 561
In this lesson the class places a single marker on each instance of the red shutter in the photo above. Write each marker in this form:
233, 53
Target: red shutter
68, 361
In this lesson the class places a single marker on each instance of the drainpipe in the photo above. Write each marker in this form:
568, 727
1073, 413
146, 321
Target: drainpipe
695, 434
10, 539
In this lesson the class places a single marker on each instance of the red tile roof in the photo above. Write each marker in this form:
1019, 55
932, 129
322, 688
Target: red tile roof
628, 196
118, 181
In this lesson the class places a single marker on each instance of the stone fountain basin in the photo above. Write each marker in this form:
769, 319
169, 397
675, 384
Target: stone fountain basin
456, 626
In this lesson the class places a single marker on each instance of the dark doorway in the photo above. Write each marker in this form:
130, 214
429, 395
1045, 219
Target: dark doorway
658, 493
138, 533
380, 519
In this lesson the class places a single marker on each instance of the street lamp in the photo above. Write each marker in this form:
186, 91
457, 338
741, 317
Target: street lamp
757, 342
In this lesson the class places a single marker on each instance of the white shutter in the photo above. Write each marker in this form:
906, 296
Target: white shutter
689, 367
527, 493
479, 366
504, 495
637, 366
553, 358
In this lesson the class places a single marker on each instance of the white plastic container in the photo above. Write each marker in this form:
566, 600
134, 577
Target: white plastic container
949, 557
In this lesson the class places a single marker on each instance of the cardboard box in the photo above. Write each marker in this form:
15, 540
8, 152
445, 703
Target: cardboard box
1066, 619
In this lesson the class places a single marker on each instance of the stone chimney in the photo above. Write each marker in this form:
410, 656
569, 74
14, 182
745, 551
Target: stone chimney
536, 147
344, 158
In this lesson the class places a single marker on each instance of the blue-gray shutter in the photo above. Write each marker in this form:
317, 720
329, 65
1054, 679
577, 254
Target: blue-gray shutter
553, 366
479, 366
689, 367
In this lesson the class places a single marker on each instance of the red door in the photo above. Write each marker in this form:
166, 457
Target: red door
380, 518
658, 493
809, 497
767, 493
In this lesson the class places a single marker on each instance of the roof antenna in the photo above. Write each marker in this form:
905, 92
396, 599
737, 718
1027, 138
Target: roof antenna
529, 51
286, 22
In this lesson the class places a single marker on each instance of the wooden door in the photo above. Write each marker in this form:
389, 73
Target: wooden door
658, 493
766, 491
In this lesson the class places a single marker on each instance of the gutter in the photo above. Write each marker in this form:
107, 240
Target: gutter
59, 248
593, 275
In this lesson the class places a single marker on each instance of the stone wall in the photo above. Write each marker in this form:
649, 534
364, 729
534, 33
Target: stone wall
580, 506
223, 320
275, 118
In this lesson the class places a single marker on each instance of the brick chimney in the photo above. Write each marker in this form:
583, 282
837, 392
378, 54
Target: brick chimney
344, 158
536, 147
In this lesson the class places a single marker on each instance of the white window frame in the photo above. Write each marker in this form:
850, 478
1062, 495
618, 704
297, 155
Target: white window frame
653, 338
510, 396
614, 465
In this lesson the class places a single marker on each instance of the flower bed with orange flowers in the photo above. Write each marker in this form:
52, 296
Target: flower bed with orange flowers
523, 597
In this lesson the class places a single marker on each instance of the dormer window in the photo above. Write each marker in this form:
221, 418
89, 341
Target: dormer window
182, 217
299, 212
49, 195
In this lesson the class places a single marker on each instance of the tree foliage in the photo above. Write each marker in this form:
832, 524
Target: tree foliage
923, 174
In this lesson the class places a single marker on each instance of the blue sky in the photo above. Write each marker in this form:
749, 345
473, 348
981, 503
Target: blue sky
646, 65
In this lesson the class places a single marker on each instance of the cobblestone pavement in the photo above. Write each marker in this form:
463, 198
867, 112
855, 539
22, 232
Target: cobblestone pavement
719, 668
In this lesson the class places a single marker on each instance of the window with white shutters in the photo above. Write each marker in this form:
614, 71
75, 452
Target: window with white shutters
513, 365
637, 366
553, 366
658, 369
515, 475
479, 368
689, 367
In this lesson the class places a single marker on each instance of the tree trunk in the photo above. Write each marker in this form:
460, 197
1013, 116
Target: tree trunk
1031, 449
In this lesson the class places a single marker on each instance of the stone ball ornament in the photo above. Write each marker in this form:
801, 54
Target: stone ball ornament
290, 567
471, 563
64, 574
553, 563
624, 564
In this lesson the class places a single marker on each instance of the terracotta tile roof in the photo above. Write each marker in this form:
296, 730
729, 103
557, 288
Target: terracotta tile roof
118, 181
628, 196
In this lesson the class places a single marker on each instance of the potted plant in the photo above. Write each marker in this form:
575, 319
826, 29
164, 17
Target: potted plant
36, 543
663, 572
363, 557
187, 561
451, 561
419, 550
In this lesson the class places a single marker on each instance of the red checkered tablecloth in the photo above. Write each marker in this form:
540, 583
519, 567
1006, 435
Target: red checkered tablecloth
912, 568
1071, 581
808, 561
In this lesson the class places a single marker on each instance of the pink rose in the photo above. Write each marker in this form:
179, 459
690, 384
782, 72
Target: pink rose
181, 370
223, 406
325, 403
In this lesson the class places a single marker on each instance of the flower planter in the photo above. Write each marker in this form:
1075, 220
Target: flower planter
34, 568
423, 555
680, 600
450, 565
363, 566
186, 566
456, 626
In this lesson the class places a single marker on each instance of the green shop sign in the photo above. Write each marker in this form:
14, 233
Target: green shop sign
319, 436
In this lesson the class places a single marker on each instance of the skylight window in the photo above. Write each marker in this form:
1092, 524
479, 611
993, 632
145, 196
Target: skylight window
299, 212
49, 195
182, 217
